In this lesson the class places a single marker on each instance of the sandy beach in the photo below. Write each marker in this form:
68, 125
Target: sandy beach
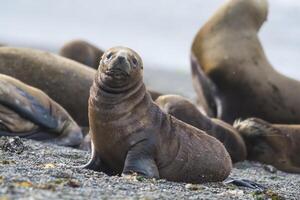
36, 170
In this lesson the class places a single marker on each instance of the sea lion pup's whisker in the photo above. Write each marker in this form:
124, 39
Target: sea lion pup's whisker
135, 135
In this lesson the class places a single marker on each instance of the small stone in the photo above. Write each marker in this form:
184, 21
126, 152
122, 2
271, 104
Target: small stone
192, 187
270, 168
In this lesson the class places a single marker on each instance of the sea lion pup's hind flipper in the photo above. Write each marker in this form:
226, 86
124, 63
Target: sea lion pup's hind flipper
26, 105
140, 160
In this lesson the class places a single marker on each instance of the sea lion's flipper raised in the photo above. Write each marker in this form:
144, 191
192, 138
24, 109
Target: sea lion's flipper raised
26, 105
140, 161
205, 89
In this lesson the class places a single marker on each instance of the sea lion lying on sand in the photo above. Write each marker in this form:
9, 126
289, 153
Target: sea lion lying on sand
229, 52
130, 133
273, 144
67, 82
82, 52
186, 111
28, 112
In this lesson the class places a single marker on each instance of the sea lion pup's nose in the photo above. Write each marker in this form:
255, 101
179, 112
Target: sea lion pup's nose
121, 63
121, 59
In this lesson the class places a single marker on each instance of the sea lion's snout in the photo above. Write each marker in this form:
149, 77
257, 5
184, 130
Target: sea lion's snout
120, 66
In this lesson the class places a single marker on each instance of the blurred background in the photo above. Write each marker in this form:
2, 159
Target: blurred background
161, 31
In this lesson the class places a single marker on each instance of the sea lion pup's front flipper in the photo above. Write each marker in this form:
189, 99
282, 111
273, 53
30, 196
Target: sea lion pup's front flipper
272, 144
23, 105
96, 164
140, 160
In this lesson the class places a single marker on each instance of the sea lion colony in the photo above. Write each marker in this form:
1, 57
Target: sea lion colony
170, 138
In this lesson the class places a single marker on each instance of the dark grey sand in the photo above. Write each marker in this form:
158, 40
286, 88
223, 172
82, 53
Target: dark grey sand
43, 171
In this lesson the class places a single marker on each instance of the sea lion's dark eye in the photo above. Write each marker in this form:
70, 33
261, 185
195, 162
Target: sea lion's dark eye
109, 55
134, 61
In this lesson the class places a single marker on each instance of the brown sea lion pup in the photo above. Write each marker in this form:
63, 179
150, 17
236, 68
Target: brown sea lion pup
28, 112
229, 52
186, 111
273, 144
82, 52
130, 133
67, 82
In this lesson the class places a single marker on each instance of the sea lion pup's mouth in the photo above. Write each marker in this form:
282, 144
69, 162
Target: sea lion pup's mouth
120, 67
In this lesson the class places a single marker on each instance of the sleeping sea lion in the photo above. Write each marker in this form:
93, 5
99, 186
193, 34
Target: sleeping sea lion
28, 112
273, 144
67, 82
82, 52
130, 133
186, 111
228, 51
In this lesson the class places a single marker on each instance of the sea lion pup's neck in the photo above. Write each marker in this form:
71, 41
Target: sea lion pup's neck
114, 103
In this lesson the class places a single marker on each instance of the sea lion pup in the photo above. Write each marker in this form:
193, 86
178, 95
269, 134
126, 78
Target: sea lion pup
229, 52
28, 112
273, 144
82, 52
186, 111
67, 82
130, 133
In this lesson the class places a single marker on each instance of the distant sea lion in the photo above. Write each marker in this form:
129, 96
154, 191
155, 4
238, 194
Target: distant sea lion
131, 134
273, 144
28, 112
82, 52
229, 52
67, 82
186, 111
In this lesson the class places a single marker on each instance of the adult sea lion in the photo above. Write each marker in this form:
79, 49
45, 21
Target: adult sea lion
130, 133
186, 111
28, 112
229, 52
273, 144
82, 52
67, 82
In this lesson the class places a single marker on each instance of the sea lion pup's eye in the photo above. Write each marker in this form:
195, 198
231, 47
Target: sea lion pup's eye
108, 56
134, 61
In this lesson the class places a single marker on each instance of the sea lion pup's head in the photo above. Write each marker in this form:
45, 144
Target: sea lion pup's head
263, 140
120, 69
82, 52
